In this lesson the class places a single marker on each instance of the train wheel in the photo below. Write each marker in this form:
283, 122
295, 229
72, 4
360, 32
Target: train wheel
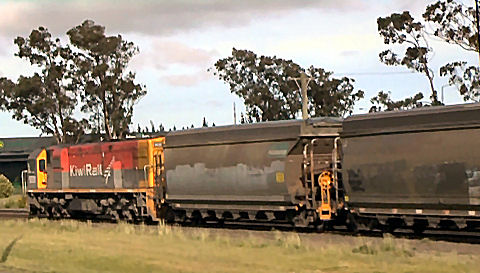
419, 227
320, 227
169, 216
351, 223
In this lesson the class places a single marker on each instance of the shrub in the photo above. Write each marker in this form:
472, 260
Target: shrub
6, 187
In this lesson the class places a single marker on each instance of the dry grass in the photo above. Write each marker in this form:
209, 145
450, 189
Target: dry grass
70, 246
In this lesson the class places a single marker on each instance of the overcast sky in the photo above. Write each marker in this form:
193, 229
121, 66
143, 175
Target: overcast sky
180, 40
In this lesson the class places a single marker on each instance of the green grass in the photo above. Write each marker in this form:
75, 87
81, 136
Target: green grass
70, 246
16, 201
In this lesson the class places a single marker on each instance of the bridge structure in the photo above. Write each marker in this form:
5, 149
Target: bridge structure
14, 153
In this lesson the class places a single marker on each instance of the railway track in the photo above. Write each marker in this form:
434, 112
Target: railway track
13, 213
454, 236
459, 236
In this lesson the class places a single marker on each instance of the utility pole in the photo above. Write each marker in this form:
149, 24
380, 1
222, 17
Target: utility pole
478, 30
234, 115
304, 81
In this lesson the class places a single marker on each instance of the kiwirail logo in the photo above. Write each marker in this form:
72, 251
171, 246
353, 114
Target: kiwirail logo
86, 170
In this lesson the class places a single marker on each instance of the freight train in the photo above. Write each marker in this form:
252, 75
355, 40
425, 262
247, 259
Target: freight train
417, 169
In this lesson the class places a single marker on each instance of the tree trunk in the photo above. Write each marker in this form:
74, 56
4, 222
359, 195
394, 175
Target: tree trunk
106, 123
434, 96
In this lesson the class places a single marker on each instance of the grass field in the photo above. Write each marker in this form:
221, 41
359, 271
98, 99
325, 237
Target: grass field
70, 246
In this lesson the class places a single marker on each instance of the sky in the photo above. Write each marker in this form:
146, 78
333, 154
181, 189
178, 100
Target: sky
180, 40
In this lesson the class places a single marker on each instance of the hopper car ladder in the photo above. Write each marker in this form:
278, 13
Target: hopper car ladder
326, 179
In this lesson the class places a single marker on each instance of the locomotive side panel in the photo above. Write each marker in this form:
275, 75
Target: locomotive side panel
98, 166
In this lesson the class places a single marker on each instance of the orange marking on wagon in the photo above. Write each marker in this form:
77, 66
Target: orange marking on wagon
446, 212
471, 212
394, 210
418, 211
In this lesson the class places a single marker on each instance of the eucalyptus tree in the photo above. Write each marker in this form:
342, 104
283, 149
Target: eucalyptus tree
455, 23
269, 93
402, 29
47, 99
108, 91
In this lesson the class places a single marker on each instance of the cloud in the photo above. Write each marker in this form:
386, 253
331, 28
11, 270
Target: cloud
162, 17
187, 80
349, 53
176, 63
172, 52
5, 46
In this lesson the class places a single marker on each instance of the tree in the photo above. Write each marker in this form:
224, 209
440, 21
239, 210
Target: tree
402, 28
265, 85
204, 123
329, 96
5, 86
152, 126
454, 23
108, 91
47, 99
6, 187
383, 102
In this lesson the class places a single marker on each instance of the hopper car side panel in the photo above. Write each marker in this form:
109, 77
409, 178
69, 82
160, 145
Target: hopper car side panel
249, 172
435, 170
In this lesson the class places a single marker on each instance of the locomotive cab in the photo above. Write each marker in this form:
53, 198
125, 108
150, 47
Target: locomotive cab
37, 170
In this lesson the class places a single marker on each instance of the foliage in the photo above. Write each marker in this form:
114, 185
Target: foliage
466, 78
108, 90
454, 23
91, 69
330, 96
45, 100
383, 102
6, 187
269, 93
402, 28
15, 201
